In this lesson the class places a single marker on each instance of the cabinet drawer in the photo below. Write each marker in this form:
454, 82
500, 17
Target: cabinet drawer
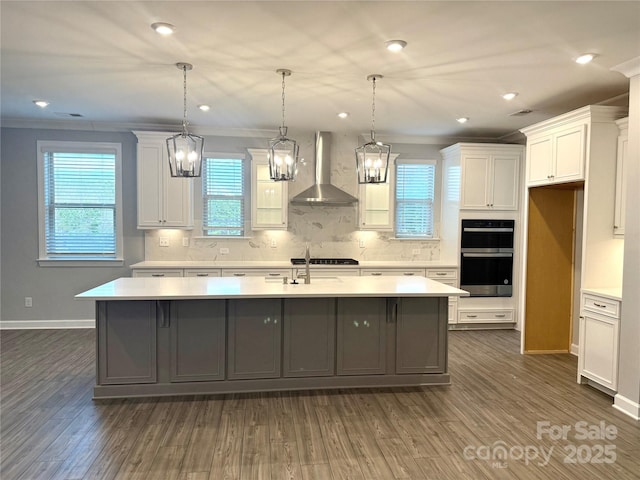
601, 305
485, 316
176, 272
388, 271
200, 272
257, 272
442, 274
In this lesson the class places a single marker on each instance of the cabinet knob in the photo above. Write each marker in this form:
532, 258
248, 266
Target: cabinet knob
599, 305
239, 274
157, 274
500, 315
202, 274
441, 273
408, 274
376, 274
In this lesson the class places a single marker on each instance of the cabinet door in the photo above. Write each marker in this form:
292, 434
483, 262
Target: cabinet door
255, 330
309, 337
361, 336
163, 201
150, 174
475, 182
197, 330
569, 154
539, 160
621, 187
177, 200
599, 349
504, 182
127, 342
269, 199
421, 338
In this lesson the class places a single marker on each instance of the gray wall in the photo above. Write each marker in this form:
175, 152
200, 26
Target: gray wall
52, 288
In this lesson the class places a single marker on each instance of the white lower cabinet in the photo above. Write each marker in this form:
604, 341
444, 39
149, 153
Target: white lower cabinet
448, 276
274, 273
599, 339
408, 272
202, 272
485, 316
168, 272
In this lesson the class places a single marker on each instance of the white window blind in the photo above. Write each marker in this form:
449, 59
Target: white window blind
223, 197
415, 183
80, 196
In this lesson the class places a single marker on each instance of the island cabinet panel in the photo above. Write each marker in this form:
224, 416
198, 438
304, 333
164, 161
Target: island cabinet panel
309, 337
126, 342
255, 332
361, 336
421, 338
197, 337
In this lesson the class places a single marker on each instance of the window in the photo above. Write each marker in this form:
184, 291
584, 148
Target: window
80, 202
223, 197
414, 198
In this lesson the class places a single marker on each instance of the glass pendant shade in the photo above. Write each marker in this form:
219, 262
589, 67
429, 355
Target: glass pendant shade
185, 149
372, 161
185, 154
283, 157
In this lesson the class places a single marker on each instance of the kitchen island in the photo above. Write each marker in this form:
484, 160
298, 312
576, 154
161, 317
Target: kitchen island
180, 336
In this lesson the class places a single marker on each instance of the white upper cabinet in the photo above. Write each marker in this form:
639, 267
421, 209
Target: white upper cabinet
556, 156
269, 199
376, 202
490, 175
163, 201
621, 183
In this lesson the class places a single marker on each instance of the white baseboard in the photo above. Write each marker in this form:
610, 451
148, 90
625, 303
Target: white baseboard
43, 324
574, 349
627, 406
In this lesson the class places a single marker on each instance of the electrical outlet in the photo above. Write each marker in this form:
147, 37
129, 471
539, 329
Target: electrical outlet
415, 251
361, 243
164, 241
28, 301
224, 251
274, 244
185, 241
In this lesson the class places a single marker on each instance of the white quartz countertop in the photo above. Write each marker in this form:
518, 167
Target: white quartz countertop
151, 264
611, 293
182, 288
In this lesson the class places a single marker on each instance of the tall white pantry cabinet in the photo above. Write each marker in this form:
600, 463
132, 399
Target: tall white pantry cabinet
163, 201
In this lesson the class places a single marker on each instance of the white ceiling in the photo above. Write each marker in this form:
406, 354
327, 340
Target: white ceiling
102, 60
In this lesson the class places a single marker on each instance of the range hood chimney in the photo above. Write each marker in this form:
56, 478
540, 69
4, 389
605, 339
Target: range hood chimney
322, 192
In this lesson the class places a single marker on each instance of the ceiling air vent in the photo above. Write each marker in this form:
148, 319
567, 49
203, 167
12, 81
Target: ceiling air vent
521, 113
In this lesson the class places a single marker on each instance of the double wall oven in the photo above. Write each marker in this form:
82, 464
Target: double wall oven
486, 257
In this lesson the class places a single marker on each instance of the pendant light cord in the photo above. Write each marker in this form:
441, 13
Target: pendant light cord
373, 110
184, 118
283, 75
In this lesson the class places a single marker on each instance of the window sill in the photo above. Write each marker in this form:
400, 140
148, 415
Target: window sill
80, 262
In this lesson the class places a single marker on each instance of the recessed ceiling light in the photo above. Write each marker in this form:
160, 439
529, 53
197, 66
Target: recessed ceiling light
585, 58
343, 114
510, 95
163, 28
41, 103
204, 108
462, 119
395, 45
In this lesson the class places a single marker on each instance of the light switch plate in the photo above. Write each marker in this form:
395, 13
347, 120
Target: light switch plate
224, 251
185, 241
164, 241
415, 251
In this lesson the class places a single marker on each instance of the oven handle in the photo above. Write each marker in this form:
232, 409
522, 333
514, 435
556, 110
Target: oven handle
490, 230
487, 254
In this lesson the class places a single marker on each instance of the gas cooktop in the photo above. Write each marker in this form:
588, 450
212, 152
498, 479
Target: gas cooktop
325, 261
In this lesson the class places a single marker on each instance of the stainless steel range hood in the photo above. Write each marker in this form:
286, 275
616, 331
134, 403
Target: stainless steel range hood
322, 192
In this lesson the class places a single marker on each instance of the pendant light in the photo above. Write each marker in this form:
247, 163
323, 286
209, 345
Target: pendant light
283, 152
372, 158
185, 149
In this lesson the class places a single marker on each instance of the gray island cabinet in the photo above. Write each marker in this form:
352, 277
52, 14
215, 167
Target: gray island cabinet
180, 336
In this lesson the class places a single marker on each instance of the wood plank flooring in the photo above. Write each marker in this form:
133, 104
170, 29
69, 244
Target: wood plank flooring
51, 429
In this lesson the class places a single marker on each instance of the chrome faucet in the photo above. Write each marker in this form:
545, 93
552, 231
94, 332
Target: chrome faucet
307, 259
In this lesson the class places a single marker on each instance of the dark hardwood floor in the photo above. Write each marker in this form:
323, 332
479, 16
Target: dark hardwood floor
51, 429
